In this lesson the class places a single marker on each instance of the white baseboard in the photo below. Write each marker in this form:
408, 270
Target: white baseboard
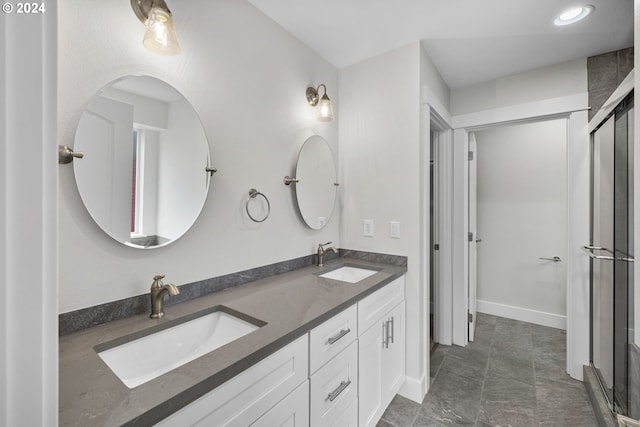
414, 389
522, 314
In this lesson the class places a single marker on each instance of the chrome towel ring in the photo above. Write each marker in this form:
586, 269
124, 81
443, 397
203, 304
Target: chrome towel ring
253, 193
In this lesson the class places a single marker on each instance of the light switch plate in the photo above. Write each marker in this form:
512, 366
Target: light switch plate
394, 229
367, 227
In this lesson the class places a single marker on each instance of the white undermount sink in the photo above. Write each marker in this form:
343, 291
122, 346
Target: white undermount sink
349, 274
148, 354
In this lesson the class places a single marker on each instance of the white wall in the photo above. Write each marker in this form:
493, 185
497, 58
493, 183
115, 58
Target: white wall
28, 220
536, 85
246, 77
432, 82
181, 177
381, 157
522, 208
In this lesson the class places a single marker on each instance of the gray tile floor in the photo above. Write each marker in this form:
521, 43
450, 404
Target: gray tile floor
513, 374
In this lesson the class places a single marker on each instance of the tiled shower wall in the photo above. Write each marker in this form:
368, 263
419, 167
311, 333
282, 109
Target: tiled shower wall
605, 72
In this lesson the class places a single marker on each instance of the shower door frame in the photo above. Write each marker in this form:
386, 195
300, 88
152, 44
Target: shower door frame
622, 106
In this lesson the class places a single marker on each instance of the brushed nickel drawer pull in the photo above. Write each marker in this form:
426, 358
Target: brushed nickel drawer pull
337, 336
335, 393
385, 334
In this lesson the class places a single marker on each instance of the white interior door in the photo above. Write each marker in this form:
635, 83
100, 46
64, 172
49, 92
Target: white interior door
104, 175
473, 235
434, 233
522, 214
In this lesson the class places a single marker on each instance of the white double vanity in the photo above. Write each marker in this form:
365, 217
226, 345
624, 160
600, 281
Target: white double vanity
315, 381
326, 352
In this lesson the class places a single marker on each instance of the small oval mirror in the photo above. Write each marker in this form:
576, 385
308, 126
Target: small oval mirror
316, 188
143, 177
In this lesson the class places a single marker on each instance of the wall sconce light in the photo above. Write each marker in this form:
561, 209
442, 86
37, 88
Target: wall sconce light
160, 34
325, 110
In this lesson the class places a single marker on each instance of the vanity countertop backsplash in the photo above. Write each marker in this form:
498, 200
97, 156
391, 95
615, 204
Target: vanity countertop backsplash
290, 304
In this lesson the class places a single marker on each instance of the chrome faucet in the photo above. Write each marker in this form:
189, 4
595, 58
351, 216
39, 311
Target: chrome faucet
321, 251
158, 291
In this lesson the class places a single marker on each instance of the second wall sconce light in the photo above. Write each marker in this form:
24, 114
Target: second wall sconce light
160, 34
325, 110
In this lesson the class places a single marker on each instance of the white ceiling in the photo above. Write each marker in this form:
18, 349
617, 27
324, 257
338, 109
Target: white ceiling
469, 41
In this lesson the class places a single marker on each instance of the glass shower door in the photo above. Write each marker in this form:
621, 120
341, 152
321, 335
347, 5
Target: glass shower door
611, 253
623, 252
601, 263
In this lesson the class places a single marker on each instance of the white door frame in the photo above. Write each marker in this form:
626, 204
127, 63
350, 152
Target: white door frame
574, 109
443, 293
29, 219
434, 115
472, 240
439, 121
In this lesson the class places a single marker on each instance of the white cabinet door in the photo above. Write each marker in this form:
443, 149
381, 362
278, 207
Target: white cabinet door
292, 411
246, 397
370, 406
381, 348
393, 367
334, 388
349, 418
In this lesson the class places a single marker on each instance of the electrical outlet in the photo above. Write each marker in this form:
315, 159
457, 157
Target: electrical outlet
394, 229
367, 227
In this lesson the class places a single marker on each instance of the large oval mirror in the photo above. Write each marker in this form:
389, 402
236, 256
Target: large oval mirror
144, 176
317, 185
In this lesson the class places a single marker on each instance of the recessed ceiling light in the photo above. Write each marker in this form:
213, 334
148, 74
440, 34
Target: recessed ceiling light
574, 14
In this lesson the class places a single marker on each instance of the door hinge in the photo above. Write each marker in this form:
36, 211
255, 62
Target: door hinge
470, 236
469, 317
436, 247
470, 155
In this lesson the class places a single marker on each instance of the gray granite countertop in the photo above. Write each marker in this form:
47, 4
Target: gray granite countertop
291, 304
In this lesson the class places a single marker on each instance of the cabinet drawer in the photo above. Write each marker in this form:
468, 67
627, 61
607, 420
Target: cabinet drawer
376, 305
292, 411
247, 396
349, 418
334, 388
330, 338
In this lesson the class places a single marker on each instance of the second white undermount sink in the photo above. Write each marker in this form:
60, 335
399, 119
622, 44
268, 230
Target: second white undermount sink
349, 274
148, 354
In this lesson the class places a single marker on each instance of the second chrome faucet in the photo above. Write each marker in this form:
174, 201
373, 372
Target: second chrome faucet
322, 250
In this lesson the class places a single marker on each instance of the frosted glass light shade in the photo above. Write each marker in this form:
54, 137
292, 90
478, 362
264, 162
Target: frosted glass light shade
160, 35
325, 110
